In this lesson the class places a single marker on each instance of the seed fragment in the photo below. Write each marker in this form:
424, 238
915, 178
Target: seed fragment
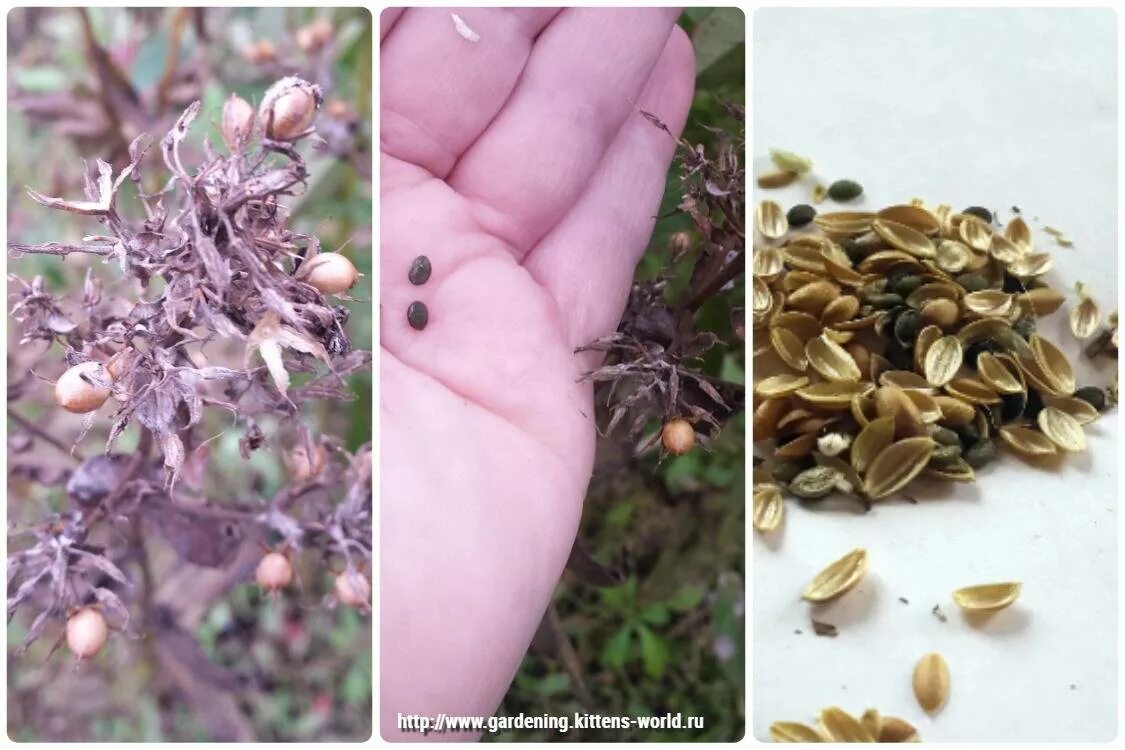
831, 360
792, 731
1062, 429
931, 682
988, 597
768, 507
894, 729
840, 726
789, 161
815, 483
1027, 441
776, 179
1085, 316
838, 578
943, 360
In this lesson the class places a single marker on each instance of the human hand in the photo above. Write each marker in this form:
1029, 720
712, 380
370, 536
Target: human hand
521, 166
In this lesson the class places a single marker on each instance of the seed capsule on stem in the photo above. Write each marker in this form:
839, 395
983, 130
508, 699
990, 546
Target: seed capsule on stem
330, 273
78, 395
274, 572
86, 632
288, 108
238, 123
678, 436
352, 590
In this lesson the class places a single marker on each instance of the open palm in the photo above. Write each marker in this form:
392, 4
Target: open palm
519, 164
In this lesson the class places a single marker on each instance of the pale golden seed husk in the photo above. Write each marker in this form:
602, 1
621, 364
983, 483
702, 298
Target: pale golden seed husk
943, 360
1005, 250
915, 217
762, 301
1018, 232
1027, 441
792, 417
1062, 429
906, 380
894, 729
1054, 365
944, 313
768, 508
926, 405
958, 471
805, 253
988, 597
904, 238
862, 407
997, 375
897, 465
974, 232
985, 328
792, 731
954, 411
830, 395
931, 682
931, 291
831, 360
813, 298
798, 447
855, 324
789, 348
768, 262
893, 402
952, 256
1040, 301
872, 722
779, 385
926, 338
795, 279
838, 335
973, 390
844, 223
1084, 318
839, 726
790, 161
767, 415
989, 303
1031, 265
1082, 411
838, 578
839, 310
800, 324
770, 220
776, 179
882, 262
819, 193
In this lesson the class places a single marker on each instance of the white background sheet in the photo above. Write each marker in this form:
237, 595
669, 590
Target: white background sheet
997, 107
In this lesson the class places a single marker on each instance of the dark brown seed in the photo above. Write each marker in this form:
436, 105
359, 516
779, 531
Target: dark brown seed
844, 190
800, 215
980, 212
417, 315
1092, 395
420, 270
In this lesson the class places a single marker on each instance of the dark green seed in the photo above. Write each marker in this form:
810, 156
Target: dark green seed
882, 300
1024, 327
417, 315
907, 284
844, 190
800, 215
980, 454
977, 348
419, 270
1034, 284
1034, 405
1092, 395
900, 357
945, 456
854, 250
785, 471
1012, 285
980, 212
946, 436
972, 282
969, 433
907, 326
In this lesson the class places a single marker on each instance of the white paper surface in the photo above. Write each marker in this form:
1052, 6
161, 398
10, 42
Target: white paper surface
997, 107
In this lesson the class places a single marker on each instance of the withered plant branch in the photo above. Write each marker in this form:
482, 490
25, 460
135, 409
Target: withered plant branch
172, 58
569, 658
43, 435
61, 248
732, 270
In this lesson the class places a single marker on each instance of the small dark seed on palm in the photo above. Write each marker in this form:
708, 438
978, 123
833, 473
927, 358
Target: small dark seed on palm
420, 270
417, 315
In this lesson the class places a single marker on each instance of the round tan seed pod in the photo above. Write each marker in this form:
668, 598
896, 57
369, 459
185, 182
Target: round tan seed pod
238, 123
274, 572
260, 52
330, 273
680, 243
352, 590
86, 632
288, 108
678, 436
77, 395
299, 465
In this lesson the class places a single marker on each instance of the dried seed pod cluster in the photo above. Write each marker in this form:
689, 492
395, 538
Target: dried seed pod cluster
903, 343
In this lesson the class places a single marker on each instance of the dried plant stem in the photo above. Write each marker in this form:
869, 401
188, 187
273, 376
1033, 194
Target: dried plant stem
35, 430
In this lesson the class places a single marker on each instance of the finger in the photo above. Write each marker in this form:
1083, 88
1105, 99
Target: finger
387, 20
584, 76
587, 261
440, 90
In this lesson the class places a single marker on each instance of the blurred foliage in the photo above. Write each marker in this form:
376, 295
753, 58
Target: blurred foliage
316, 662
671, 637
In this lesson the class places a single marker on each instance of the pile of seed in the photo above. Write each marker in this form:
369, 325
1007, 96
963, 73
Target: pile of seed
909, 348
837, 725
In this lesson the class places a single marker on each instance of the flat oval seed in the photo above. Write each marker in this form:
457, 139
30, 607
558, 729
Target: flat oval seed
844, 190
931, 682
417, 315
420, 269
837, 578
988, 597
